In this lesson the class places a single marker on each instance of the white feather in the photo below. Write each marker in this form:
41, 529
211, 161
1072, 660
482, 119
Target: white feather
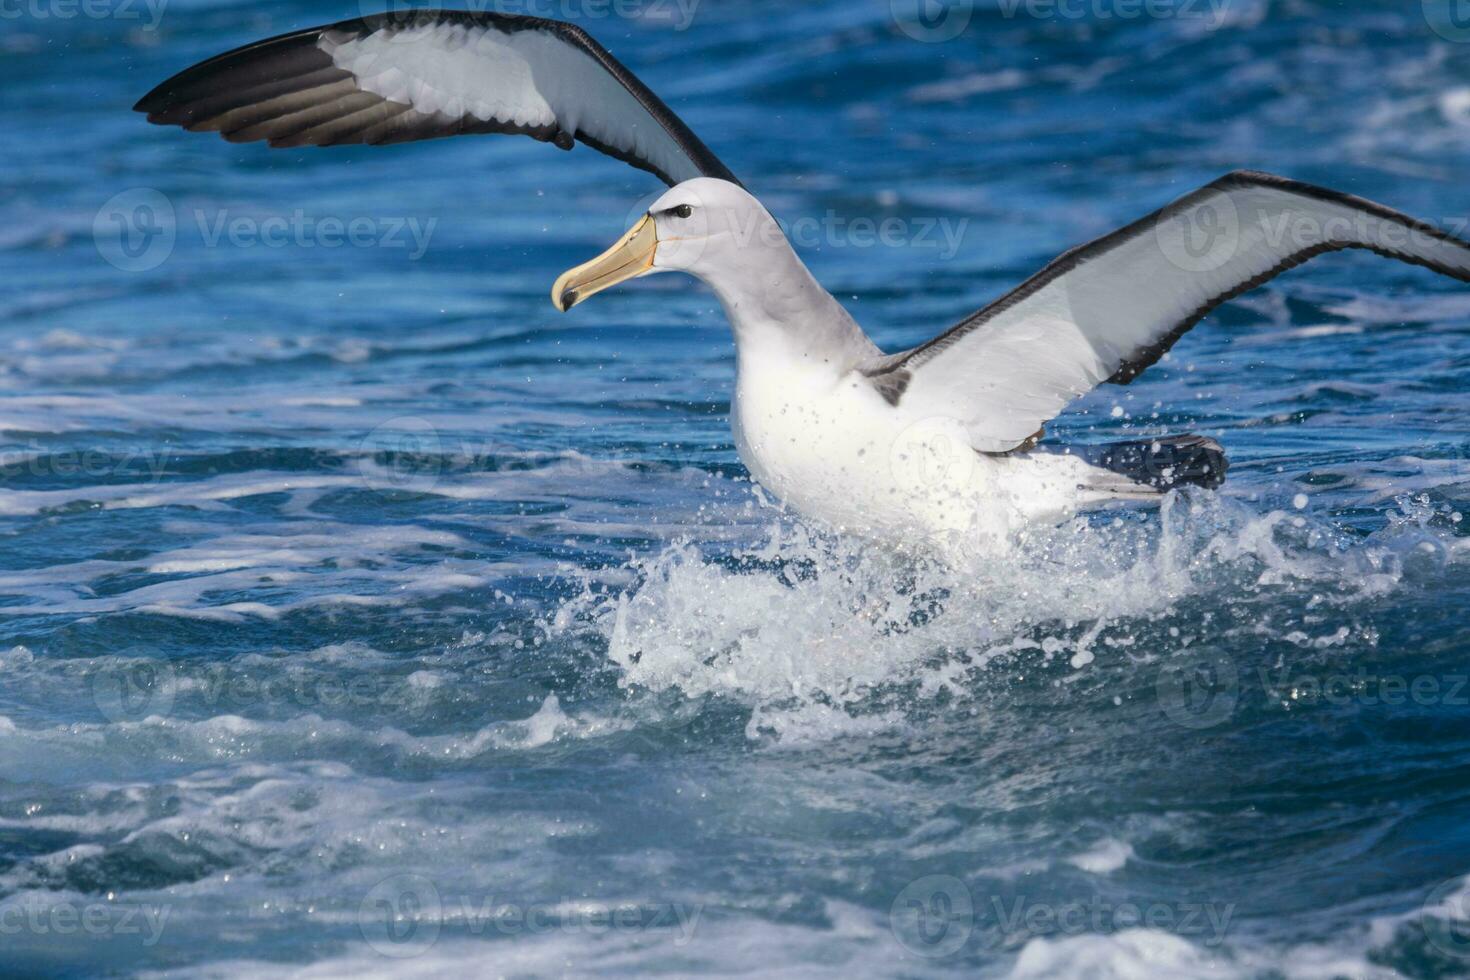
529, 78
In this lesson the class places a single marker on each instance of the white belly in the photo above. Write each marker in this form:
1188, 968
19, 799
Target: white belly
835, 450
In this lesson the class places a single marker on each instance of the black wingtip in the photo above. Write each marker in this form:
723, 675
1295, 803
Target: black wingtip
157, 102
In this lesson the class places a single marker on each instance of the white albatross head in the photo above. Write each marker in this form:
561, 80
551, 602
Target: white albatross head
705, 227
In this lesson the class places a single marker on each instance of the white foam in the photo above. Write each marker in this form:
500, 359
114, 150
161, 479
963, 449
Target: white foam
1108, 856
1143, 954
1132, 954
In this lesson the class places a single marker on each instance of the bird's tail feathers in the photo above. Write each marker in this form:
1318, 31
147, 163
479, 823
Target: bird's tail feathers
1150, 467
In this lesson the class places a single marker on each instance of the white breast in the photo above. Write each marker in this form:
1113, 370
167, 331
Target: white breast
833, 449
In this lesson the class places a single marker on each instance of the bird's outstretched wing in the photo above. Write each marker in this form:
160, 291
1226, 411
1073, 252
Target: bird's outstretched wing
1107, 310
430, 73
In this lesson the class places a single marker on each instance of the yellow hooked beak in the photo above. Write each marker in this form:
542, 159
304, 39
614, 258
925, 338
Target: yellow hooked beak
632, 255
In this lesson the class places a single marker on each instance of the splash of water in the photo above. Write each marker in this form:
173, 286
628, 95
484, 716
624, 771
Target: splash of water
819, 635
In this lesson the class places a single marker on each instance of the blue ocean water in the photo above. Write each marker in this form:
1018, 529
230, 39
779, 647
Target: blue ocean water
361, 614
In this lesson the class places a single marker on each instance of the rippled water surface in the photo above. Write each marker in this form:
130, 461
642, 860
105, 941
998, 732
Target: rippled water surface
364, 615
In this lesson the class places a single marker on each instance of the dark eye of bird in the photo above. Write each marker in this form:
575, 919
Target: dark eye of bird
683, 211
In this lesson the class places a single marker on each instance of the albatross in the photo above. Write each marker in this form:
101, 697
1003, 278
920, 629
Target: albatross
944, 439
